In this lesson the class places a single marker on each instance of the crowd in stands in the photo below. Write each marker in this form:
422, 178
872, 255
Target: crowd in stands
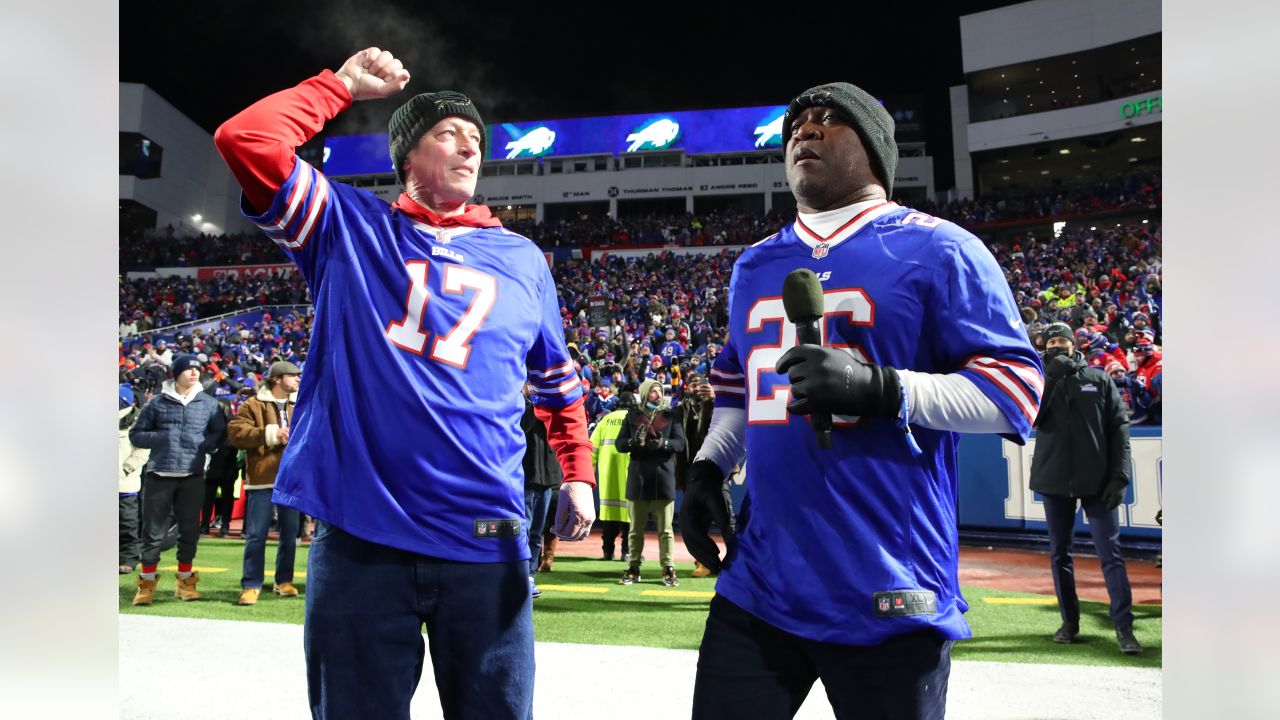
150, 303
664, 316
1137, 190
1133, 191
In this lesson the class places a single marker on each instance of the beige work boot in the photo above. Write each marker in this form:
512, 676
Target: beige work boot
186, 589
146, 591
285, 590
249, 596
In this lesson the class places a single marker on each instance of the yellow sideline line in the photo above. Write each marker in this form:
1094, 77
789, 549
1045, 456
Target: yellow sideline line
296, 575
575, 589
678, 593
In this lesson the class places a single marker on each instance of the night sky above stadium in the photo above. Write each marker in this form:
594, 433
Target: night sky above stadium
531, 61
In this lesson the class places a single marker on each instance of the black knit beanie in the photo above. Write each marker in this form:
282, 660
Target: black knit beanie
872, 122
1062, 330
413, 119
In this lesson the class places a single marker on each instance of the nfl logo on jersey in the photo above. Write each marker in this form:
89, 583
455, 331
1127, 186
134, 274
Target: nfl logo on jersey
820, 251
884, 604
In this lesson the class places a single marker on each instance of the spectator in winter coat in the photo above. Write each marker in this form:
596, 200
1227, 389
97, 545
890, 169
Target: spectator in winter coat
180, 426
1082, 459
261, 428
132, 460
652, 435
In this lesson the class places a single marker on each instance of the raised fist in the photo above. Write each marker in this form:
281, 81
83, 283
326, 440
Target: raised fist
373, 73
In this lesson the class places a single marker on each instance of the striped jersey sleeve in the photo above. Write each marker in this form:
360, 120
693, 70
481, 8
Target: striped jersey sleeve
298, 216
727, 378
983, 338
551, 371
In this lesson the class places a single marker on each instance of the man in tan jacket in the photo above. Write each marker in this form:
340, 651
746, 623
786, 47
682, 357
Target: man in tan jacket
261, 429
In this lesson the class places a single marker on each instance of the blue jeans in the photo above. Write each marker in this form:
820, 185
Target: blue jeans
536, 501
366, 605
748, 668
1104, 525
257, 521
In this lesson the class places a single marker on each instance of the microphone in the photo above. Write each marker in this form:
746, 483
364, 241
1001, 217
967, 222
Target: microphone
802, 299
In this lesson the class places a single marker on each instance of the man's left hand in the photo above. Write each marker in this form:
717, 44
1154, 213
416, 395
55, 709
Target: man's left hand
825, 379
1113, 493
575, 511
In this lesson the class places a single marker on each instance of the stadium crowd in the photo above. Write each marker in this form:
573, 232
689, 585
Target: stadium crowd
1134, 191
663, 316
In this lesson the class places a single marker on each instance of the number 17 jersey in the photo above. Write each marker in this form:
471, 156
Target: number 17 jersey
857, 543
407, 431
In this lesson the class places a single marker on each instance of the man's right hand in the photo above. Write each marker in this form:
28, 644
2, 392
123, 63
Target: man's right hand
282, 435
372, 73
704, 503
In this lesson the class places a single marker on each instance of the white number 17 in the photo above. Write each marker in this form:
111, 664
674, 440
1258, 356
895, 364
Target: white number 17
453, 347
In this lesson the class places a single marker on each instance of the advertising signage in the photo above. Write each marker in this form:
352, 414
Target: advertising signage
694, 132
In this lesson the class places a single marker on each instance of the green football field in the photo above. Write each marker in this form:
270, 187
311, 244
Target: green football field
581, 603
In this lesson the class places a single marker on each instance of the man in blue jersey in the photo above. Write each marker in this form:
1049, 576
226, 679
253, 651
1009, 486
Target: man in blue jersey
417, 488
845, 561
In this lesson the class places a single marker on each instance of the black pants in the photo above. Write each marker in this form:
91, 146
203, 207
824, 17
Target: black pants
163, 497
1104, 525
609, 531
749, 668
130, 530
226, 482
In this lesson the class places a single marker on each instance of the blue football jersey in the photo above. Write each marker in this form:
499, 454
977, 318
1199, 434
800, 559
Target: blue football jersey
407, 430
838, 544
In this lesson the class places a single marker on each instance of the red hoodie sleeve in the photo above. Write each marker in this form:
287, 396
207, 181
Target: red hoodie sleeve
567, 435
258, 144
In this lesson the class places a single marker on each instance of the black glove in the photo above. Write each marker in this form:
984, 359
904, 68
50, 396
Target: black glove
1058, 365
831, 380
705, 503
1113, 493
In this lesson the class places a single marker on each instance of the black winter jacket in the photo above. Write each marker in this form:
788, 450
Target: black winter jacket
179, 435
652, 472
541, 468
1082, 431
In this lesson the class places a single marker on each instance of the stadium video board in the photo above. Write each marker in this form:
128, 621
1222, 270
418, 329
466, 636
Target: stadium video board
694, 132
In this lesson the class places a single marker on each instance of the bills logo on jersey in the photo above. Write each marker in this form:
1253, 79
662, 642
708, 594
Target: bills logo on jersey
820, 251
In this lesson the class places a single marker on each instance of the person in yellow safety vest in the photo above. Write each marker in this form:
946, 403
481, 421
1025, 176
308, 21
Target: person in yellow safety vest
611, 476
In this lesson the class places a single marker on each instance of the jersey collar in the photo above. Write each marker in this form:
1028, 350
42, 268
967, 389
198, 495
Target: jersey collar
834, 226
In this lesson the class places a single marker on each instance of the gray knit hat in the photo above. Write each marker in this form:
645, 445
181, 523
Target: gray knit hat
872, 122
414, 118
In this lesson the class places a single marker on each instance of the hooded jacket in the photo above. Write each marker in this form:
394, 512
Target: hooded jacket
256, 430
652, 436
179, 430
1082, 431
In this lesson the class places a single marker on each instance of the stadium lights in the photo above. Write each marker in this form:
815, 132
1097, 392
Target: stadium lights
1064, 151
1085, 167
1093, 228
1044, 172
1137, 138
1134, 159
1004, 161
196, 218
1144, 222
